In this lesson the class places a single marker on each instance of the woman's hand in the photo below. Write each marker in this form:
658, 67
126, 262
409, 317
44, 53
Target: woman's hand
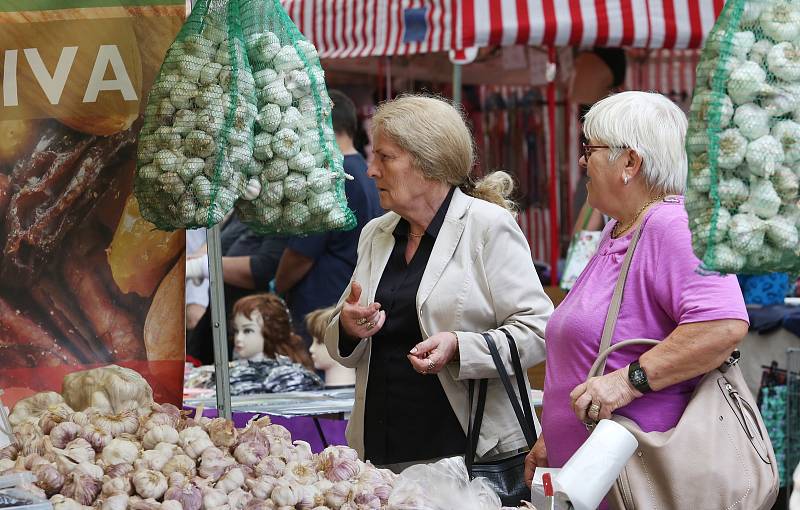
360, 321
537, 457
431, 355
596, 399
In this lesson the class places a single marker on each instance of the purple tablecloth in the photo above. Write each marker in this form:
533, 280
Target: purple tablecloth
301, 427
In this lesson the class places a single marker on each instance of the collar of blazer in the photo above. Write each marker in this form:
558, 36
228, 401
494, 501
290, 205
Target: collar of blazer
446, 242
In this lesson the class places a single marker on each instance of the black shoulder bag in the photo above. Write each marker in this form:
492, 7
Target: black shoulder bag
507, 476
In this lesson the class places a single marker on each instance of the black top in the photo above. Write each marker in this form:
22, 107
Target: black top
407, 415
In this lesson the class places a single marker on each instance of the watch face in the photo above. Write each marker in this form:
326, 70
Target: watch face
638, 378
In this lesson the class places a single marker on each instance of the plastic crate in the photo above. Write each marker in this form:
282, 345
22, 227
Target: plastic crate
792, 416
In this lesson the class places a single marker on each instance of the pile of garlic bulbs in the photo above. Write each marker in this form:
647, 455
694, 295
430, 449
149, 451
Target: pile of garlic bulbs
164, 460
748, 87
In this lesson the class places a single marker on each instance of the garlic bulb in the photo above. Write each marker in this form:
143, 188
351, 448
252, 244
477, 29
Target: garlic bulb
214, 463
63, 433
79, 450
149, 483
746, 233
764, 155
188, 495
340, 469
213, 498
747, 82
96, 437
81, 487
222, 432
732, 192
786, 183
111, 389
118, 470
752, 121
116, 485
137, 503
250, 453
231, 480
181, 464
782, 232
767, 256
53, 416
90, 469
31, 409
120, 451
261, 487
48, 478
126, 422
194, 441
9, 452
61, 502
153, 459
171, 504
271, 466
115, 502
763, 201
285, 494
239, 499
787, 132
338, 495
160, 434
303, 472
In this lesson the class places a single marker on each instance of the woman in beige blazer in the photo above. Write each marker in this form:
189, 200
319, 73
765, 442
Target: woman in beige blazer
447, 263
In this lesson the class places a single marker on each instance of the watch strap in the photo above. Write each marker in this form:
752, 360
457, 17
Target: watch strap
638, 377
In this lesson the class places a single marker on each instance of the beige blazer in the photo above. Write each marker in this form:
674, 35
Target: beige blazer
479, 277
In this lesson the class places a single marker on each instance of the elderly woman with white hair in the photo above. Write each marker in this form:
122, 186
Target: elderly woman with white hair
637, 169
446, 264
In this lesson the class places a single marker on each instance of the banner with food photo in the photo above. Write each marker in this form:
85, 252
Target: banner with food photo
84, 280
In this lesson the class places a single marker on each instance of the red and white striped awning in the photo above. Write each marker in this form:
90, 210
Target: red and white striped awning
361, 28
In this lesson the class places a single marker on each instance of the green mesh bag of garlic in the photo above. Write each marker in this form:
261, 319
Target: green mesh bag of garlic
744, 140
196, 145
296, 181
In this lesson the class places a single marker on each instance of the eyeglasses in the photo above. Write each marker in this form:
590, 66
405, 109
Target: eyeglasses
587, 149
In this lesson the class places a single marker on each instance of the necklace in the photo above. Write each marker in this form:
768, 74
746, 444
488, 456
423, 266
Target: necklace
418, 236
616, 231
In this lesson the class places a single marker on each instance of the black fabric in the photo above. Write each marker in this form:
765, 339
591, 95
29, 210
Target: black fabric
769, 318
237, 240
616, 61
407, 415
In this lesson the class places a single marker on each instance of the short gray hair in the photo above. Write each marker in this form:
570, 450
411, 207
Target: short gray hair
651, 125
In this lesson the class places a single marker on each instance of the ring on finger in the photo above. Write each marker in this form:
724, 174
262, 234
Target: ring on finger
370, 325
431, 366
361, 321
594, 411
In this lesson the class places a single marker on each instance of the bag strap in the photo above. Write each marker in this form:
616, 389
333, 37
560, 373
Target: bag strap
524, 413
474, 432
616, 300
523, 388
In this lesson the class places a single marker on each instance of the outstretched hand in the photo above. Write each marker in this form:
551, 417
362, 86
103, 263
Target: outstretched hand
360, 321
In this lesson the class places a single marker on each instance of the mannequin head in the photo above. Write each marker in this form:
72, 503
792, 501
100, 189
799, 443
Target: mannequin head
268, 316
335, 374
248, 336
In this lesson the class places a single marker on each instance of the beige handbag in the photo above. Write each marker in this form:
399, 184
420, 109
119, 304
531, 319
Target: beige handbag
718, 456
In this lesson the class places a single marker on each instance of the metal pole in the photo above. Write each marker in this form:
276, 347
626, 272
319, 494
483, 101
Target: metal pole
456, 84
219, 322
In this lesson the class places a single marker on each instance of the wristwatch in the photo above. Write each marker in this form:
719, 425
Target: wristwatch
638, 377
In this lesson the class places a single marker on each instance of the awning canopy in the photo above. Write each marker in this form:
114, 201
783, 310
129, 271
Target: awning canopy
360, 28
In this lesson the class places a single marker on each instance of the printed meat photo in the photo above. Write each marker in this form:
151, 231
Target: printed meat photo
79, 267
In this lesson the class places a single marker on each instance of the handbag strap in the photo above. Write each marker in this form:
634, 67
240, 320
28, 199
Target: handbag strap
473, 431
520, 376
616, 300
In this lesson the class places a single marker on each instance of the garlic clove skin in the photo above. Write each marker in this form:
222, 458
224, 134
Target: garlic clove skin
81, 487
238, 499
117, 485
126, 422
171, 504
48, 478
231, 480
120, 451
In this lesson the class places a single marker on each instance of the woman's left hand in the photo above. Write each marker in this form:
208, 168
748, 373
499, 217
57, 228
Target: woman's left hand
608, 392
431, 355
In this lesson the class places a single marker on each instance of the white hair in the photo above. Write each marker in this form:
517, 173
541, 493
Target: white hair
651, 125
